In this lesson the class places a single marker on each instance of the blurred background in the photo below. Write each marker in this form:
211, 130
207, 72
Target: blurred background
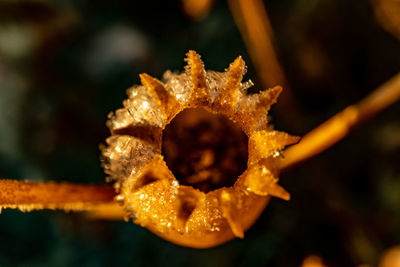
64, 65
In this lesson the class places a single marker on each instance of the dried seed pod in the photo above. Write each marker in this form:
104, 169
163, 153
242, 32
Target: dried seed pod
177, 209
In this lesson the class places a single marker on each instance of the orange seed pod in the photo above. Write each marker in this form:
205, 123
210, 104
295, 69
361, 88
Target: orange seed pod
149, 191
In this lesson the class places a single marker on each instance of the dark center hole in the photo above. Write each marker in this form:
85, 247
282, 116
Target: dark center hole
204, 150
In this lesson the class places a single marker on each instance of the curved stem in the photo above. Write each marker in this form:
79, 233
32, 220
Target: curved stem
28, 196
337, 127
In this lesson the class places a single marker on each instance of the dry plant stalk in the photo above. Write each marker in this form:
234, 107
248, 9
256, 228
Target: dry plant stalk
147, 189
254, 25
197, 9
387, 13
27, 196
340, 125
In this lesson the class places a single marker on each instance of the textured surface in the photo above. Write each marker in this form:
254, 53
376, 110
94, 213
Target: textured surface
55, 96
150, 193
27, 196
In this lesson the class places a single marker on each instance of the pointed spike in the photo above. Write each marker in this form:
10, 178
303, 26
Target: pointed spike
236, 69
186, 201
261, 181
167, 103
235, 76
148, 81
229, 93
264, 144
236, 228
253, 109
155, 86
258, 178
195, 67
290, 139
278, 191
270, 96
278, 140
228, 208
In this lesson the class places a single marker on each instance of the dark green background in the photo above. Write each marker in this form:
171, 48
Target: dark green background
58, 83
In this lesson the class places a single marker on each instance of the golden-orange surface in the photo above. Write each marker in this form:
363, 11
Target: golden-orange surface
148, 190
28, 196
313, 261
197, 9
387, 12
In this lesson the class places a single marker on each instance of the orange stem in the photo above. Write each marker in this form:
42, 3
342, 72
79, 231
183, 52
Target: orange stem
254, 25
28, 196
340, 125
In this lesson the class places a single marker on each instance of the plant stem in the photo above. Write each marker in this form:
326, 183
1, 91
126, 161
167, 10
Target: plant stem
340, 125
254, 25
28, 196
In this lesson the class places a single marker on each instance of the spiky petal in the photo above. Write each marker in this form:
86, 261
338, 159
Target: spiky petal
253, 109
187, 200
229, 94
261, 181
195, 69
264, 144
229, 206
168, 103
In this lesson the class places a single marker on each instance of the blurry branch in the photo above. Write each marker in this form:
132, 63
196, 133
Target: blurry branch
391, 257
27, 196
387, 13
197, 9
254, 25
252, 20
313, 261
337, 127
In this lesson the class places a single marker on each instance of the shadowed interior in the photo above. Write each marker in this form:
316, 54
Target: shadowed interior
204, 150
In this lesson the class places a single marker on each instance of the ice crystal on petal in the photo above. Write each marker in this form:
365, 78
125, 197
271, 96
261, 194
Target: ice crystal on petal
149, 191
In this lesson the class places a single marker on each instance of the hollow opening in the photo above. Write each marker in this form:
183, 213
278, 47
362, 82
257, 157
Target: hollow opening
146, 179
186, 209
204, 150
